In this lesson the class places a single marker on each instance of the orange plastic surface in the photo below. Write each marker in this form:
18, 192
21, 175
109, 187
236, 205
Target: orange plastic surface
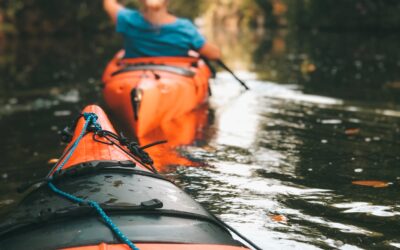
164, 95
181, 131
104, 246
90, 150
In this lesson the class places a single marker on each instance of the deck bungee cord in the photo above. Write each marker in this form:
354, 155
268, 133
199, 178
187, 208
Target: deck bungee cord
91, 119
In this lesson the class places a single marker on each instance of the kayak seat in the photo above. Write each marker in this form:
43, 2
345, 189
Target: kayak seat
157, 67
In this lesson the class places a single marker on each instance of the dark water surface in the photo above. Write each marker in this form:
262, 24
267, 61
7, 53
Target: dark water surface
278, 161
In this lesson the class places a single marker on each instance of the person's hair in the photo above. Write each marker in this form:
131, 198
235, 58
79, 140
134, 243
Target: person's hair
154, 4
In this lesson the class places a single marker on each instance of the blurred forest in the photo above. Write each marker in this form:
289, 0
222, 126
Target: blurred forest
32, 17
37, 17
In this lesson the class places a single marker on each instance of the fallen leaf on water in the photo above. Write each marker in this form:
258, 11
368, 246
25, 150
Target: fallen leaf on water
311, 67
393, 85
209, 149
279, 45
375, 184
278, 218
52, 161
352, 131
307, 67
279, 8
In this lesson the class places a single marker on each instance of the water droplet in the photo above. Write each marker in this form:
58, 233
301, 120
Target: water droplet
367, 139
324, 141
358, 170
4, 176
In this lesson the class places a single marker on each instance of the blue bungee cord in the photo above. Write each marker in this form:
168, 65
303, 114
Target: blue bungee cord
91, 119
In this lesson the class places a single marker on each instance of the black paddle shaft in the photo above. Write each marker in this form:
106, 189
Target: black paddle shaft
222, 64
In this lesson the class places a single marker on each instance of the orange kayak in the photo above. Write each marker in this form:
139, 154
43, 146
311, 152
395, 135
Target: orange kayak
99, 167
145, 92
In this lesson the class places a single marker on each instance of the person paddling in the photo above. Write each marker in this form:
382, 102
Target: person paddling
153, 31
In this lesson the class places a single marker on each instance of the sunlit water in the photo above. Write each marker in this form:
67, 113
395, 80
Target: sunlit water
276, 163
277, 151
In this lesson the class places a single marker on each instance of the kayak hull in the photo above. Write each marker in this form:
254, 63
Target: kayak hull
104, 246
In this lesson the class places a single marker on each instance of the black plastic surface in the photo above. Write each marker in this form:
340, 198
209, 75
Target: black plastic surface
146, 208
139, 228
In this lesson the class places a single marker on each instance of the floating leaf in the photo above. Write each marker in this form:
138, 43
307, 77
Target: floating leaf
393, 85
52, 161
307, 67
375, 184
279, 8
352, 131
278, 218
311, 67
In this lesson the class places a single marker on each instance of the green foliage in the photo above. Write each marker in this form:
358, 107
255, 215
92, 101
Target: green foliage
61, 16
83, 16
48, 16
345, 14
189, 9
267, 9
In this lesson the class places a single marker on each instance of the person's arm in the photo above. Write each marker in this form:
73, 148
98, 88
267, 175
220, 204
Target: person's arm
112, 7
210, 51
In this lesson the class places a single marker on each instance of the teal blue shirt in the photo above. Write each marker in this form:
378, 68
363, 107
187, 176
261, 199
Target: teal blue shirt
143, 39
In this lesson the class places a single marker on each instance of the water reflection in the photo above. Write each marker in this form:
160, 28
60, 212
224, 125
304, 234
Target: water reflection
297, 161
349, 66
182, 131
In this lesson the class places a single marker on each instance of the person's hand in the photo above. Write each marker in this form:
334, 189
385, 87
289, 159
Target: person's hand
193, 53
112, 7
210, 51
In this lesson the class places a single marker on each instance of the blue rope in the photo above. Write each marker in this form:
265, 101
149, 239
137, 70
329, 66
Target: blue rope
91, 119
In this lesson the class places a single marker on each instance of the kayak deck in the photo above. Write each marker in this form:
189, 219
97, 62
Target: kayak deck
146, 208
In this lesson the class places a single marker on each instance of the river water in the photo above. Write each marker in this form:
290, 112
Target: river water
282, 163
